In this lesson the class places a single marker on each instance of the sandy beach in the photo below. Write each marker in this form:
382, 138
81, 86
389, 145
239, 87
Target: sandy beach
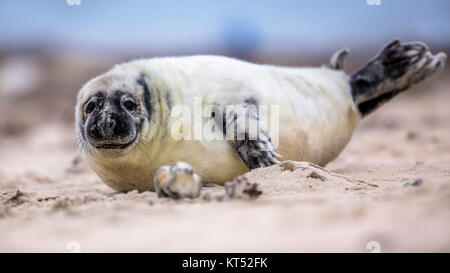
50, 201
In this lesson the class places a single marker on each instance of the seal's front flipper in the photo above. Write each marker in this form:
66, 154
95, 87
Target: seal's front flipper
394, 70
251, 141
177, 181
256, 153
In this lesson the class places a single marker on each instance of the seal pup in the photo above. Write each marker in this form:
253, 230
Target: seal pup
125, 118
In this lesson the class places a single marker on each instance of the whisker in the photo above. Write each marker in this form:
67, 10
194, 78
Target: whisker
142, 149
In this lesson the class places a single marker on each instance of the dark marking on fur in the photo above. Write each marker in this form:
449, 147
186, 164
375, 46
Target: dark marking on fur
82, 131
146, 96
100, 94
169, 103
251, 101
168, 100
219, 116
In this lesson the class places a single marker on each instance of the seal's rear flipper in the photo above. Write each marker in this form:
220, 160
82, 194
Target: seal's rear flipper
394, 70
337, 59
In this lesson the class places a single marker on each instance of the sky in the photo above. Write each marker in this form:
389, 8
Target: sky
242, 25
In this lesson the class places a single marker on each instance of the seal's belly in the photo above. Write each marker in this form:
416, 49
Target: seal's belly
318, 143
317, 115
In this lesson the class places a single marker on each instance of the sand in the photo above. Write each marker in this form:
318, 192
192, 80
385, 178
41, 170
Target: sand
50, 201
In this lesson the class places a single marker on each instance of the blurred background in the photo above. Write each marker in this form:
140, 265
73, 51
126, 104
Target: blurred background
48, 49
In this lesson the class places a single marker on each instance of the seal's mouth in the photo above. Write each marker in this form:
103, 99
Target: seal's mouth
115, 145
112, 146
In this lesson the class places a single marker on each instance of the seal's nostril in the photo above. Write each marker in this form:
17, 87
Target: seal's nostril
109, 126
106, 125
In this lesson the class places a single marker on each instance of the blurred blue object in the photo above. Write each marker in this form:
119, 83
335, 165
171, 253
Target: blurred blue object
243, 27
242, 37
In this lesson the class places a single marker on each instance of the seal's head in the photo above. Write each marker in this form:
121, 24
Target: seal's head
112, 111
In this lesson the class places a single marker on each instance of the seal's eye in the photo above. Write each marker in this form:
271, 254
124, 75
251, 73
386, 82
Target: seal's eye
130, 105
90, 107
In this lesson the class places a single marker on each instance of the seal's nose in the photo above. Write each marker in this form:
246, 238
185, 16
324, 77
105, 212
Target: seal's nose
106, 125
